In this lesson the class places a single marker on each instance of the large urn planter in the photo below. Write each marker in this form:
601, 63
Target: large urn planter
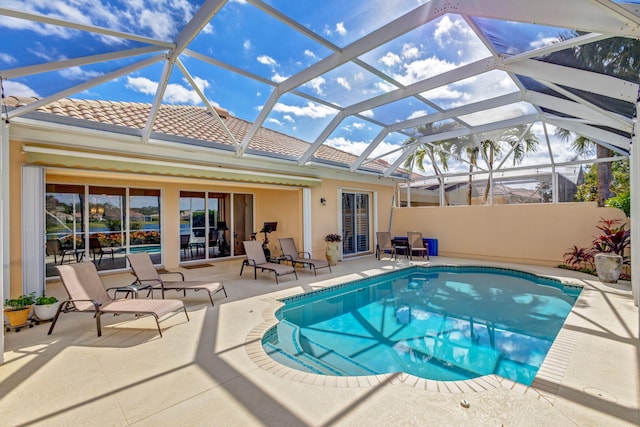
608, 267
333, 252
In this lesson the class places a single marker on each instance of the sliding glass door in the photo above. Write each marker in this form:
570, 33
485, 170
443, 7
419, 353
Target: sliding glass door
355, 223
100, 224
214, 224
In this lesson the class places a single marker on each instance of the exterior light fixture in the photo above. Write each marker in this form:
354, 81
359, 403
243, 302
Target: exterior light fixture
323, 201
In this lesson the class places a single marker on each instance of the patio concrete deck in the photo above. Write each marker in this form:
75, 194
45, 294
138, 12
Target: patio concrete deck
210, 371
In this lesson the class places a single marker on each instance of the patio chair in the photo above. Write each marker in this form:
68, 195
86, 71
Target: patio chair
257, 260
416, 244
87, 294
96, 249
146, 274
290, 253
184, 243
54, 247
384, 244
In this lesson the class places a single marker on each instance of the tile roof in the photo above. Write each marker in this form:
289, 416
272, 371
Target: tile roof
194, 122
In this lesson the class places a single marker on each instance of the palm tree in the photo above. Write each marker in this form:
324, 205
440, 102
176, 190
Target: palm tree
472, 151
522, 142
436, 152
583, 145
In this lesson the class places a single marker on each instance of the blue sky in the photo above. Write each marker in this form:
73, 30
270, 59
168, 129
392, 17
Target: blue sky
250, 40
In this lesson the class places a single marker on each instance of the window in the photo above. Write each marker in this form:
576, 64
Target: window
214, 224
355, 223
113, 220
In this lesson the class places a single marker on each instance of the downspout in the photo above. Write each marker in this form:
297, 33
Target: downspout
635, 208
4, 221
307, 237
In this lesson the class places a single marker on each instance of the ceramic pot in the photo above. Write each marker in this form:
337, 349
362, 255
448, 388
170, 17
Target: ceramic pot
333, 252
608, 267
46, 311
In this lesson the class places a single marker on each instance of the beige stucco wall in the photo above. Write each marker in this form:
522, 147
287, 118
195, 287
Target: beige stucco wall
528, 233
272, 203
536, 234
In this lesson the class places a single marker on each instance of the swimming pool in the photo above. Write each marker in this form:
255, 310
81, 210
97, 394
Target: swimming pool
440, 323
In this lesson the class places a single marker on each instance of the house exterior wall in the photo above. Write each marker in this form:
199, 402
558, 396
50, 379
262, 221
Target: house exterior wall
283, 204
528, 233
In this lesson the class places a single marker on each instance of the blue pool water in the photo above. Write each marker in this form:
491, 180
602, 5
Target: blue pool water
144, 248
440, 323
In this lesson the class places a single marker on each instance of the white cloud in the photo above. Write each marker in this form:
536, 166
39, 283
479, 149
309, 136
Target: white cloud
385, 86
409, 51
390, 59
267, 60
316, 84
443, 30
342, 81
159, 23
278, 78
340, 29
7, 59
77, 73
359, 125
201, 83
12, 88
358, 147
309, 54
423, 69
208, 29
543, 41
367, 113
142, 85
288, 118
456, 36
178, 94
174, 93
275, 121
311, 110
418, 113
246, 45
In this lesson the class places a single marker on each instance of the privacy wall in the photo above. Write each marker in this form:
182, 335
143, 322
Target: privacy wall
527, 234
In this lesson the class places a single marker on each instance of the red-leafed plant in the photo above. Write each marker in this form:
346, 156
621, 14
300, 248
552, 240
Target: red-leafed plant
614, 238
579, 258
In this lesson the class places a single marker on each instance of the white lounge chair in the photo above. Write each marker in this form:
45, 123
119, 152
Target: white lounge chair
88, 294
146, 274
290, 253
257, 259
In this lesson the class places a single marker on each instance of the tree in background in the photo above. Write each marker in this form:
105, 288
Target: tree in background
619, 187
617, 56
437, 152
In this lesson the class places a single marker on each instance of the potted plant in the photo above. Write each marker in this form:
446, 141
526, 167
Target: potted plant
609, 248
45, 307
333, 248
17, 310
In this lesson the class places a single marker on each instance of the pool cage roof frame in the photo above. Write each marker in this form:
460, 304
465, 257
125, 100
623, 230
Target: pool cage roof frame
582, 101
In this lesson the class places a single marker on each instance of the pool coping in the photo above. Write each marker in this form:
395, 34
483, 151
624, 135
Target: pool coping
545, 385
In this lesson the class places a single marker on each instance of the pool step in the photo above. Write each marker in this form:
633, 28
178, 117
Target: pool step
302, 353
